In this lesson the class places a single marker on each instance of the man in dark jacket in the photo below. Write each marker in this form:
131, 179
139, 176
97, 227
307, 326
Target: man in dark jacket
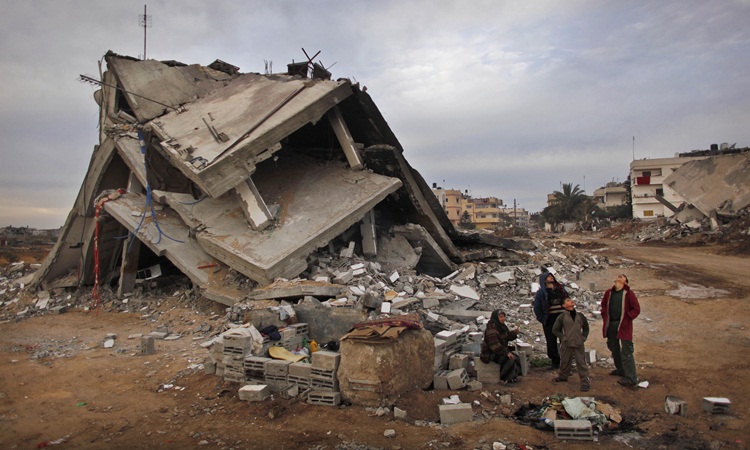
547, 308
619, 308
495, 348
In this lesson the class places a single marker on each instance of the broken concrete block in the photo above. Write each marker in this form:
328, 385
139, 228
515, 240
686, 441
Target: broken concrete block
254, 393
474, 385
716, 405
440, 380
399, 413
158, 334
523, 347
389, 433
506, 399
348, 252
209, 367
464, 291
457, 379
675, 405
148, 346
450, 414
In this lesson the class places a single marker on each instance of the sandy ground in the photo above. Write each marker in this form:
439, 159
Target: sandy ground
60, 387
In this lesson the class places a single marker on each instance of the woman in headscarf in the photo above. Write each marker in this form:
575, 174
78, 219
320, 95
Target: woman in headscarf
495, 348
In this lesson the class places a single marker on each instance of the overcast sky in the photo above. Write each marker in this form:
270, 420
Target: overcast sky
502, 98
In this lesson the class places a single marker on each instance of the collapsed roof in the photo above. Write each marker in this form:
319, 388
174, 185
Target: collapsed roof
253, 172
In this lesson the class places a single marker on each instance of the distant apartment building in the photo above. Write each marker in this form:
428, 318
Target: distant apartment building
451, 201
611, 195
518, 216
650, 197
484, 212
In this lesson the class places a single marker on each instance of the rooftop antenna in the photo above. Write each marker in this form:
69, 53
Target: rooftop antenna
633, 148
144, 20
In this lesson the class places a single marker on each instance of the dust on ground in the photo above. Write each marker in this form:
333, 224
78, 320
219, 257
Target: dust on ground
60, 386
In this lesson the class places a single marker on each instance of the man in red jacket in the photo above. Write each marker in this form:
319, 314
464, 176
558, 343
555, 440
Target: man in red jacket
619, 308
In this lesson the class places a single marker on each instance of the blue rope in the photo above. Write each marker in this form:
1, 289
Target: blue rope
149, 203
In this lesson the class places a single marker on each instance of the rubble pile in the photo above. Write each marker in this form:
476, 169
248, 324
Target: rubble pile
735, 232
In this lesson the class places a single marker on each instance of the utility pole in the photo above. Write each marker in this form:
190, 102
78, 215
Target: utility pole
145, 22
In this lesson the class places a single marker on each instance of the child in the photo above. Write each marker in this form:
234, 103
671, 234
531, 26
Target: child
572, 328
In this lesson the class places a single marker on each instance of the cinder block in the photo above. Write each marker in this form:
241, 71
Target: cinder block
287, 333
525, 348
255, 363
300, 369
148, 346
457, 379
447, 356
448, 336
716, 405
254, 393
574, 429
276, 382
440, 380
458, 361
675, 405
298, 381
455, 413
523, 358
324, 359
302, 329
322, 374
590, 356
487, 373
474, 385
318, 384
277, 367
325, 398
209, 367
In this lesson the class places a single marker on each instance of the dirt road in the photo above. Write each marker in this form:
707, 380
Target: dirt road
59, 386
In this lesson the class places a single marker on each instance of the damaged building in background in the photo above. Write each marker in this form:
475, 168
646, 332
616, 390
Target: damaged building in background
207, 172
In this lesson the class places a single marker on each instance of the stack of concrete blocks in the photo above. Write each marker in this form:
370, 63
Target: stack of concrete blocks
446, 345
255, 369
473, 345
324, 382
276, 371
237, 344
299, 374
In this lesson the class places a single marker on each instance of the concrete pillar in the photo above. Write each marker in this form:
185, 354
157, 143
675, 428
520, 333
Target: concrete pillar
345, 138
253, 207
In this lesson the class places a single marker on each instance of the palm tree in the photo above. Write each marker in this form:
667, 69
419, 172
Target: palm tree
570, 204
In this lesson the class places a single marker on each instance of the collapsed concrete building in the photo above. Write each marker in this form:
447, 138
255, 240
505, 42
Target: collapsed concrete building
205, 168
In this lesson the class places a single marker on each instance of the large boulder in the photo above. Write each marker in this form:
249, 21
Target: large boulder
377, 374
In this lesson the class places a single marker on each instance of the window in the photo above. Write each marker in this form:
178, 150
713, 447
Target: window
648, 213
646, 173
660, 191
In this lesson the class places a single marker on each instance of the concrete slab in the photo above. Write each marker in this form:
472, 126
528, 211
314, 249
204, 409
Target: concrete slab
433, 260
319, 202
254, 112
187, 255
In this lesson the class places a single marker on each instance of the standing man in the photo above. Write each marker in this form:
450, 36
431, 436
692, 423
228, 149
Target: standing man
547, 307
573, 329
619, 308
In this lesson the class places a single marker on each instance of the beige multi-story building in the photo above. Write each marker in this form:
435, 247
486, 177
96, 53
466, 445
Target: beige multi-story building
647, 189
611, 195
484, 212
451, 201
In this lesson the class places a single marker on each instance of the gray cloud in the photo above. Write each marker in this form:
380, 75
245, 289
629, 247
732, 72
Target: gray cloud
507, 99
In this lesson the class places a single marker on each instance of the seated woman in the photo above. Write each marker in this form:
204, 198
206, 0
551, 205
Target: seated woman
495, 347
